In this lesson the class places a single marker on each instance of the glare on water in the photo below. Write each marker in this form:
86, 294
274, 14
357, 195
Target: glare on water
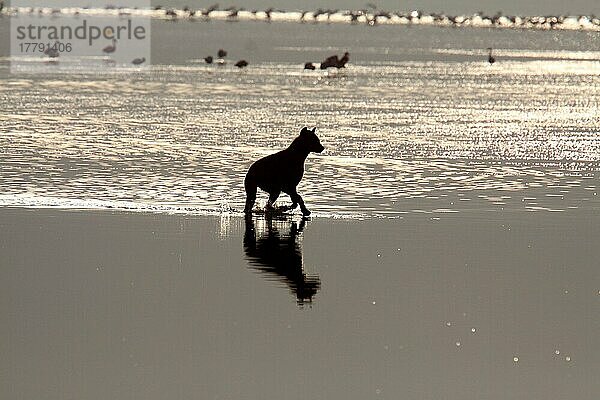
404, 136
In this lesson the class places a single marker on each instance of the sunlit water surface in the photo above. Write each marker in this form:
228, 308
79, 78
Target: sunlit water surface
422, 124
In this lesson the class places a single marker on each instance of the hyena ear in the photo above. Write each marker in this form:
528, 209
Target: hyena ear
314, 129
304, 130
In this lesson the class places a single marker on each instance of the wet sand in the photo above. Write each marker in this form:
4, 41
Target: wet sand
475, 305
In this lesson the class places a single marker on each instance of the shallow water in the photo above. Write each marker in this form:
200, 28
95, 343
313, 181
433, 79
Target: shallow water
475, 305
418, 122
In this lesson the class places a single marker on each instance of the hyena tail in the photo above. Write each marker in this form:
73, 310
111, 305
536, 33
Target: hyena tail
250, 186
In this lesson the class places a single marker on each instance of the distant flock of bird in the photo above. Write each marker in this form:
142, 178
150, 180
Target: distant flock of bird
111, 48
53, 52
330, 62
221, 54
370, 15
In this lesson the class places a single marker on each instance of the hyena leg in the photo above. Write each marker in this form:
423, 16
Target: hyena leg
272, 199
292, 206
294, 202
250, 237
297, 199
250, 187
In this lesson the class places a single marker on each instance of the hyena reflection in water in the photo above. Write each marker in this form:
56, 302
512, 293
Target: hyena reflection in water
280, 256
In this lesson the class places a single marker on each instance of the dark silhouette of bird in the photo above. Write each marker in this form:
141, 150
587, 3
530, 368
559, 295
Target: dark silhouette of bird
330, 12
353, 16
110, 48
210, 9
221, 53
139, 61
268, 12
208, 60
344, 60
382, 14
318, 13
52, 51
309, 65
241, 64
491, 58
329, 62
233, 12
335, 62
189, 11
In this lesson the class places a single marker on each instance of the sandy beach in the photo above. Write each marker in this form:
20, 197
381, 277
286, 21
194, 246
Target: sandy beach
101, 304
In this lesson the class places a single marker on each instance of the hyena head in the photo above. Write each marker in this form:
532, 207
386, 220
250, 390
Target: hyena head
310, 140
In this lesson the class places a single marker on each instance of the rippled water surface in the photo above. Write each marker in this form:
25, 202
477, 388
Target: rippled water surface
422, 124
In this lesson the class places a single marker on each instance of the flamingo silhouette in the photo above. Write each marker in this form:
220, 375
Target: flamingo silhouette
491, 58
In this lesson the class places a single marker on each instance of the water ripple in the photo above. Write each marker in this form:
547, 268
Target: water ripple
409, 136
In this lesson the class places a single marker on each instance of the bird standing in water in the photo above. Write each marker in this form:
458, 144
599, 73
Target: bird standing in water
335, 62
52, 52
241, 64
343, 61
491, 58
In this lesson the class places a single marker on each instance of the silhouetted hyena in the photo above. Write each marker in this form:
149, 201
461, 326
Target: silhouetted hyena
282, 171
